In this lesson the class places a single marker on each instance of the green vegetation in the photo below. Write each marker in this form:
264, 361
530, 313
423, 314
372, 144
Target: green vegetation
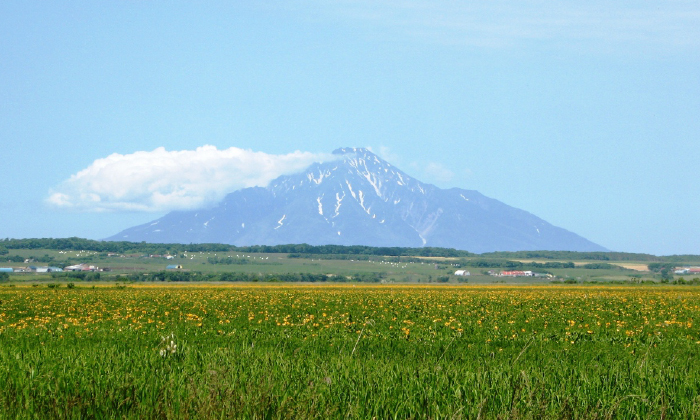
305, 263
78, 244
349, 352
597, 256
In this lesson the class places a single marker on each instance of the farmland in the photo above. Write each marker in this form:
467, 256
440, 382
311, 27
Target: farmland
209, 266
349, 351
145, 262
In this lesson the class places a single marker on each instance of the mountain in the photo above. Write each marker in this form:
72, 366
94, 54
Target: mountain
360, 199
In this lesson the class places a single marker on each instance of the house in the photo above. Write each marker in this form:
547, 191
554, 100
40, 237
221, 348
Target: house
516, 273
48, 270
462, 273
81, 267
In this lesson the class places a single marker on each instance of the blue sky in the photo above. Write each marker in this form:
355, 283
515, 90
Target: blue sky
582, 113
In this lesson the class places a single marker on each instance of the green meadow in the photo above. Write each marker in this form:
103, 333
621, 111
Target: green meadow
349, 351
338, 268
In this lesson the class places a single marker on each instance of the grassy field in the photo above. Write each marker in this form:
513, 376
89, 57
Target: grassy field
277, 351
390, 269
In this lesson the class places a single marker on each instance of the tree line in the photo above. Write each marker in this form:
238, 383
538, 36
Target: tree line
195, 276
124, 247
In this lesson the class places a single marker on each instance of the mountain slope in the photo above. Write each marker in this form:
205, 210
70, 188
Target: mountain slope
360, 199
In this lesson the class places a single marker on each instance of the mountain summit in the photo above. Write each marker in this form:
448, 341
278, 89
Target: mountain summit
360, 199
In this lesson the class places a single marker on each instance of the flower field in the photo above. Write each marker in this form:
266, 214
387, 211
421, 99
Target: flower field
244, 351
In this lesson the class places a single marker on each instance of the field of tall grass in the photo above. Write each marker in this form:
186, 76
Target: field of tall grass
282, 351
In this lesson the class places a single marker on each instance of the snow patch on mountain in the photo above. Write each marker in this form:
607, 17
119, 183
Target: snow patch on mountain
338, 203
407, 212
362, 201
350, 188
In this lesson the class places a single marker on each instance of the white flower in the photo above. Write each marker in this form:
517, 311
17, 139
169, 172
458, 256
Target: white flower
170, 348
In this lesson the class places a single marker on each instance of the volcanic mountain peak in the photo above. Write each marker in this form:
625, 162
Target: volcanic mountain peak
360, 199
358, 170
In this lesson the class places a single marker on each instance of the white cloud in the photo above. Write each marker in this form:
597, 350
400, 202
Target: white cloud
162, 180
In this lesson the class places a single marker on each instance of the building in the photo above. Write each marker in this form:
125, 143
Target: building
462, 273
516, 273
81, 267
173, 267
47, 269
687, 270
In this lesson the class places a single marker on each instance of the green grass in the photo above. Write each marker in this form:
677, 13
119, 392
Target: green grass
279, 264
350, 352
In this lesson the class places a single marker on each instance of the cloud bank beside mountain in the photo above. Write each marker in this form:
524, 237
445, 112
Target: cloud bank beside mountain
162, 180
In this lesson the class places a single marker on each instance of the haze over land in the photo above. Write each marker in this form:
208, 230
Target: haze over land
113, 114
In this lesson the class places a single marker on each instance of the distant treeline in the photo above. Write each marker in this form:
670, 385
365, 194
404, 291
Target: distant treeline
228, 261
123, 247
519, 265
597, 256
239, 261
356, 257
511, 265
186, 276
78, 275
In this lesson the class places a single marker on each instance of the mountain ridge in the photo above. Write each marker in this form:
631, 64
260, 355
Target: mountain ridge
360, 199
